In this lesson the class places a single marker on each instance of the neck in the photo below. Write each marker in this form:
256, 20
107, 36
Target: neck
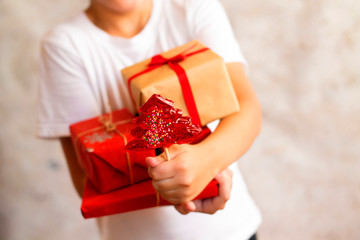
120, 22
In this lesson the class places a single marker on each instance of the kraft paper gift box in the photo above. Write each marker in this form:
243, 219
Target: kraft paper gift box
100, 146
135, 197
192, 75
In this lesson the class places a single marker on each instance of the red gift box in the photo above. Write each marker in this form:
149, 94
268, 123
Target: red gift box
100, 146
117, 180
138, 196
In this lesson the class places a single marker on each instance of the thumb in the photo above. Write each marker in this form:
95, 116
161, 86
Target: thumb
153, 161
185, 208
220, 179
189, 206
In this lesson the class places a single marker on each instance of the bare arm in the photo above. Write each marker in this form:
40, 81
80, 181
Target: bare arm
193, 166
76, 172
238, 131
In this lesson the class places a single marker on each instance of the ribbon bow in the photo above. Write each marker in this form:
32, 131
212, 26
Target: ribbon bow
107, 122
159, 60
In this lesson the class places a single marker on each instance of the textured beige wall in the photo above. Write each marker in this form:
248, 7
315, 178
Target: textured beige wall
303, 170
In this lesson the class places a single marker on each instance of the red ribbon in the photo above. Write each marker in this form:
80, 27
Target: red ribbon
173, 62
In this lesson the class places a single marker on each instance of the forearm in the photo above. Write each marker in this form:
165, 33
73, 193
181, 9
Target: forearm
235, 133
233, 137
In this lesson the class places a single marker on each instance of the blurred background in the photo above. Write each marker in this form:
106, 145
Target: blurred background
303, 170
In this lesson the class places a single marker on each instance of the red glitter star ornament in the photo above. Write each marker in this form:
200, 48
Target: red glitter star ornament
159, 124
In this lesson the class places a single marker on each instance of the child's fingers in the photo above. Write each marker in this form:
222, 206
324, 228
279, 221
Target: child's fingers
181, 209
154, 161
185, 208
159, 169
212, 205
225, 184
165, 185
175, 195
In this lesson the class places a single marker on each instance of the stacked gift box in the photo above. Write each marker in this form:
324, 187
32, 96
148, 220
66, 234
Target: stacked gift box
193, 77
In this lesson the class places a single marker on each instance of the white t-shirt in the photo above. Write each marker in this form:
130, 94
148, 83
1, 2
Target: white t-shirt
81, 78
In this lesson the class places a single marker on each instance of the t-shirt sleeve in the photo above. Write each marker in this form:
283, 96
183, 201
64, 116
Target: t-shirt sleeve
65, 95
209, 24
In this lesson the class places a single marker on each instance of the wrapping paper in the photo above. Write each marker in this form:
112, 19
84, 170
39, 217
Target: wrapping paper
161, 125
209, 82
100, 146
138, 196
133, 197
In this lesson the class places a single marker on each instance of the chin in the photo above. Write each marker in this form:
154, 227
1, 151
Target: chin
121, 6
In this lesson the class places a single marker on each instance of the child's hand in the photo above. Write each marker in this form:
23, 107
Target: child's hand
210, 205
183, 177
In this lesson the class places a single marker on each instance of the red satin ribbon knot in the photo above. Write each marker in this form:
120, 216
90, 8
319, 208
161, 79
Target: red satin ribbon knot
107, 122
160, 60
173, 62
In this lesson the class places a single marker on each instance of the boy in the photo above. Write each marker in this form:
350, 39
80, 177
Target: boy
80, 77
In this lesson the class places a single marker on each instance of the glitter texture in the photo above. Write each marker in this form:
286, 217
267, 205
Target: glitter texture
161, 125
